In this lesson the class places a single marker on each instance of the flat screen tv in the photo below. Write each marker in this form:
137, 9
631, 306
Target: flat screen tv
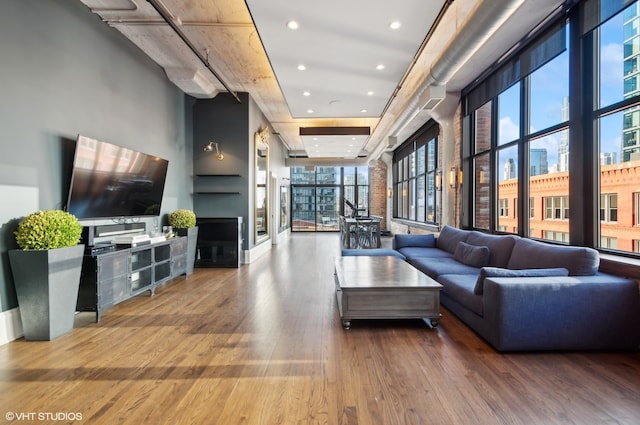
110, 181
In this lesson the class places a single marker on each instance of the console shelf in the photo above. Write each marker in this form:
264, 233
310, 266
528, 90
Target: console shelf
111, 277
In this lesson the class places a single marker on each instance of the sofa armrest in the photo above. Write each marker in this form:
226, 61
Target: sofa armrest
556, 313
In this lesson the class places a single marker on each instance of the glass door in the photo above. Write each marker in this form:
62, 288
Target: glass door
328, 204
303, 209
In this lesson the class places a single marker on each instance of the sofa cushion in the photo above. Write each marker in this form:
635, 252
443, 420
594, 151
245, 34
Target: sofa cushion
412, 252
499, 272
421, 241
449, 237
434, 267
460, 288
500, 246
471, 255
530, 254
374, 252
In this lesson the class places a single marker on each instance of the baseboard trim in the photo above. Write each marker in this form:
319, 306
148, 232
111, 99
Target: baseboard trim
282, 236
257, 251
10, 326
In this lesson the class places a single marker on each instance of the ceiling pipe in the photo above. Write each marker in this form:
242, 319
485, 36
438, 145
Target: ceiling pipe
480, 25
171, 21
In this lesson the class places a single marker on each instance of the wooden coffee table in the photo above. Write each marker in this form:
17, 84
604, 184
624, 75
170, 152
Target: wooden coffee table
369, 287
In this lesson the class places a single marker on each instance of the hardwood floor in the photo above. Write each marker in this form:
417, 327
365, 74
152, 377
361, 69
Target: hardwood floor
263, 344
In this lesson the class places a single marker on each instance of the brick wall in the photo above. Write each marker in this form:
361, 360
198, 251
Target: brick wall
457, 134
378, 191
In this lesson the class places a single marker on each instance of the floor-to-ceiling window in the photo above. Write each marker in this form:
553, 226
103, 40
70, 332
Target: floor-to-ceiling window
318, 195
415, 177
552, 134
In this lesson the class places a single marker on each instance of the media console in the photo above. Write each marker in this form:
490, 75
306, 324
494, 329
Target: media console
111, 277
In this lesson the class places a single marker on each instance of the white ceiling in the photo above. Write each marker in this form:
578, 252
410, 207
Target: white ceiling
207, 47
341, 44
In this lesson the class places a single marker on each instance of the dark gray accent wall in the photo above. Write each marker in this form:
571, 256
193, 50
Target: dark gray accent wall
221, 188
233, 125
64, 72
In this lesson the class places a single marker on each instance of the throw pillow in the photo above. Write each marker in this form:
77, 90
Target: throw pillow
471, 255
499, 272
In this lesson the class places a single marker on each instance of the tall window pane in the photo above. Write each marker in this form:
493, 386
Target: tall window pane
509, 115
421, 198
548, 178
619, 166
508, 186
619, 141
549, 94
617, 73
303, 208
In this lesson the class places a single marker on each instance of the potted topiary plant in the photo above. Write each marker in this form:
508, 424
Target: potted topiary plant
183, 222
46, 272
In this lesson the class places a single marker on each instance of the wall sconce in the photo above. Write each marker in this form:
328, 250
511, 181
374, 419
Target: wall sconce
453, 177
209, 147
389, 192
438, 181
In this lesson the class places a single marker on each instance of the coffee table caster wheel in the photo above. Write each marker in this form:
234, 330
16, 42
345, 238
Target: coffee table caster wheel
432, 323
346, 324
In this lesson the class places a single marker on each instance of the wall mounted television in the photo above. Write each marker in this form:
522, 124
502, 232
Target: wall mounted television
110, 181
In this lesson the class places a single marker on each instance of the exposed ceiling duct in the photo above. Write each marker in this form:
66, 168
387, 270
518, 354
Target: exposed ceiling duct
480, 25
174, 23
192, 81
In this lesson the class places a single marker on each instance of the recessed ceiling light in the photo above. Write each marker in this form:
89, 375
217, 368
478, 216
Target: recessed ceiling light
380, 67
370, 93
309, 111
363, 110
395, 25
301, 67
306, 93
293, 25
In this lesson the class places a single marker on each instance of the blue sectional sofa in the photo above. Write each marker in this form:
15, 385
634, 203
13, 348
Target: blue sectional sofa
524, 295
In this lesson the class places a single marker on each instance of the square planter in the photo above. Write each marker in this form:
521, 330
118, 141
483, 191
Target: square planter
47, 288
192, 241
